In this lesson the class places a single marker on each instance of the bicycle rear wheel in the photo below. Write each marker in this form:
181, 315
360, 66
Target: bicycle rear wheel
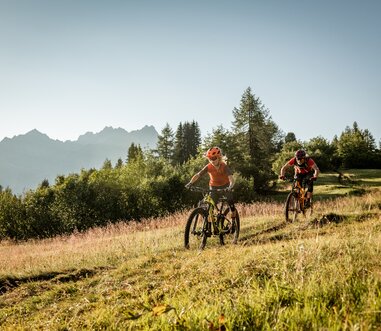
230, 227
292, 208
195, 235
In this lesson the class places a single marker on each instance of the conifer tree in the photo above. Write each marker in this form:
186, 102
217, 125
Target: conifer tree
119, 163
256, 139
187, 141
107, 164
134, 152
165, 144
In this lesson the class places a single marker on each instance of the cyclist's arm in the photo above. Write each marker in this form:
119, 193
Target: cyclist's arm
198, 175
231, 181
316, 170
284, 168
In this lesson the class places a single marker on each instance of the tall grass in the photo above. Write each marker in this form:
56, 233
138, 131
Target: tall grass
322, 272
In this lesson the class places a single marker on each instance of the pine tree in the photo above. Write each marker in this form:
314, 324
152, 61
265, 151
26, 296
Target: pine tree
256, 139
165, 144
119, 164
192, 139
107, 164
134, 152
179, 152
187, 141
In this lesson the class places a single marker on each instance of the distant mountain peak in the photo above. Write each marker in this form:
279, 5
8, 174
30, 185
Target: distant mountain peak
29, 158
32, 134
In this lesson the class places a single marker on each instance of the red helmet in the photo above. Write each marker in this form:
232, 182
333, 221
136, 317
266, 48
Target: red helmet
300, 156
301, 153
213, 153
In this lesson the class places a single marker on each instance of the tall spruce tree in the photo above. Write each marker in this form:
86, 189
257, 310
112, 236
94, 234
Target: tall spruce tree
165, 144
192, 137
134, 152
187, 141
256, 138
179, 150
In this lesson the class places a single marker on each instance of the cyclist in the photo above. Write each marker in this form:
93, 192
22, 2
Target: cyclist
305, 168
220, 175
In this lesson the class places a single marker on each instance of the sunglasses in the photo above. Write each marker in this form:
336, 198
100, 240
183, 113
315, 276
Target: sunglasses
301, 159
213, 158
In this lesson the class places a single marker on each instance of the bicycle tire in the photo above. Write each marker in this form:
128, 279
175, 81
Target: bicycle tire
237, 227
292, 208
195, 229
309, 211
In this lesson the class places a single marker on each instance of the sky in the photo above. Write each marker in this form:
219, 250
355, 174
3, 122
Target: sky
68, 67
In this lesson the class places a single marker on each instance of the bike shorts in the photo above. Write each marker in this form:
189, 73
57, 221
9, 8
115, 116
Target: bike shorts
216, 195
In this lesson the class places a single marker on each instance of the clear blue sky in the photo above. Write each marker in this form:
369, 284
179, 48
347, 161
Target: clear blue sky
72, 66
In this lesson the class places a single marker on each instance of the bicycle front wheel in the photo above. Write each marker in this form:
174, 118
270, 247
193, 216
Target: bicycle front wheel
292, 208
195, 235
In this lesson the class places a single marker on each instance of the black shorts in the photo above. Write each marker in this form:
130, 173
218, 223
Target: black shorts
216, 195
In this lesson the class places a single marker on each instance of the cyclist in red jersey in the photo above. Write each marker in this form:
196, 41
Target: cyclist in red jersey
304, 167
220, 175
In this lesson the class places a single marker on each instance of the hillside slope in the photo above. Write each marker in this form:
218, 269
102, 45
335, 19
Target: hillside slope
319, 273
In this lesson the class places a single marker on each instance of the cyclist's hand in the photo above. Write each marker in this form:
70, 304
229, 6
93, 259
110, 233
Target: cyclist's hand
282, 177
188, 185
313, 178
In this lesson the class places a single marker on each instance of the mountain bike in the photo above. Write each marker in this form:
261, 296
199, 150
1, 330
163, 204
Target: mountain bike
210, 218
296, 200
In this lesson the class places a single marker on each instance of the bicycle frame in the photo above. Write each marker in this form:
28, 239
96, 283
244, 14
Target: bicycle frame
296, 199
212, 206
300, 192
210, 218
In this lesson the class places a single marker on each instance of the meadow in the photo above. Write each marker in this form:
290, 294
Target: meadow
319, 273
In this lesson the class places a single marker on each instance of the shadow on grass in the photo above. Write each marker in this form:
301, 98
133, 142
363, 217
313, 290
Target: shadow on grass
9, 283
250, 238
324, 220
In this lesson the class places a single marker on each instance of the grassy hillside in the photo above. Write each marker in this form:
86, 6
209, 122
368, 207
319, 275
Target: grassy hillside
323, 272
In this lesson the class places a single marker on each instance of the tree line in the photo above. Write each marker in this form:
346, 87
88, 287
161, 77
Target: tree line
150, 183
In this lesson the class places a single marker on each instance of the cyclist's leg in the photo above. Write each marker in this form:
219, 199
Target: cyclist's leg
233, 214
229, 195
213, 193
310, 186
230, 198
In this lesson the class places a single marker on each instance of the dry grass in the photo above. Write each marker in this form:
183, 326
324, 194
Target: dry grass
322, 272
117, 242
104, 246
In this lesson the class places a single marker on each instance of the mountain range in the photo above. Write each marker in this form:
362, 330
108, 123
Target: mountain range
27, 159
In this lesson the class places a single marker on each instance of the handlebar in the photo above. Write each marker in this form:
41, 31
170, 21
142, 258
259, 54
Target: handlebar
293, 179
205, 191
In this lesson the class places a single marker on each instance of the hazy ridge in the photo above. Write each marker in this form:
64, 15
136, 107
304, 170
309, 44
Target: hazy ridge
27, 159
